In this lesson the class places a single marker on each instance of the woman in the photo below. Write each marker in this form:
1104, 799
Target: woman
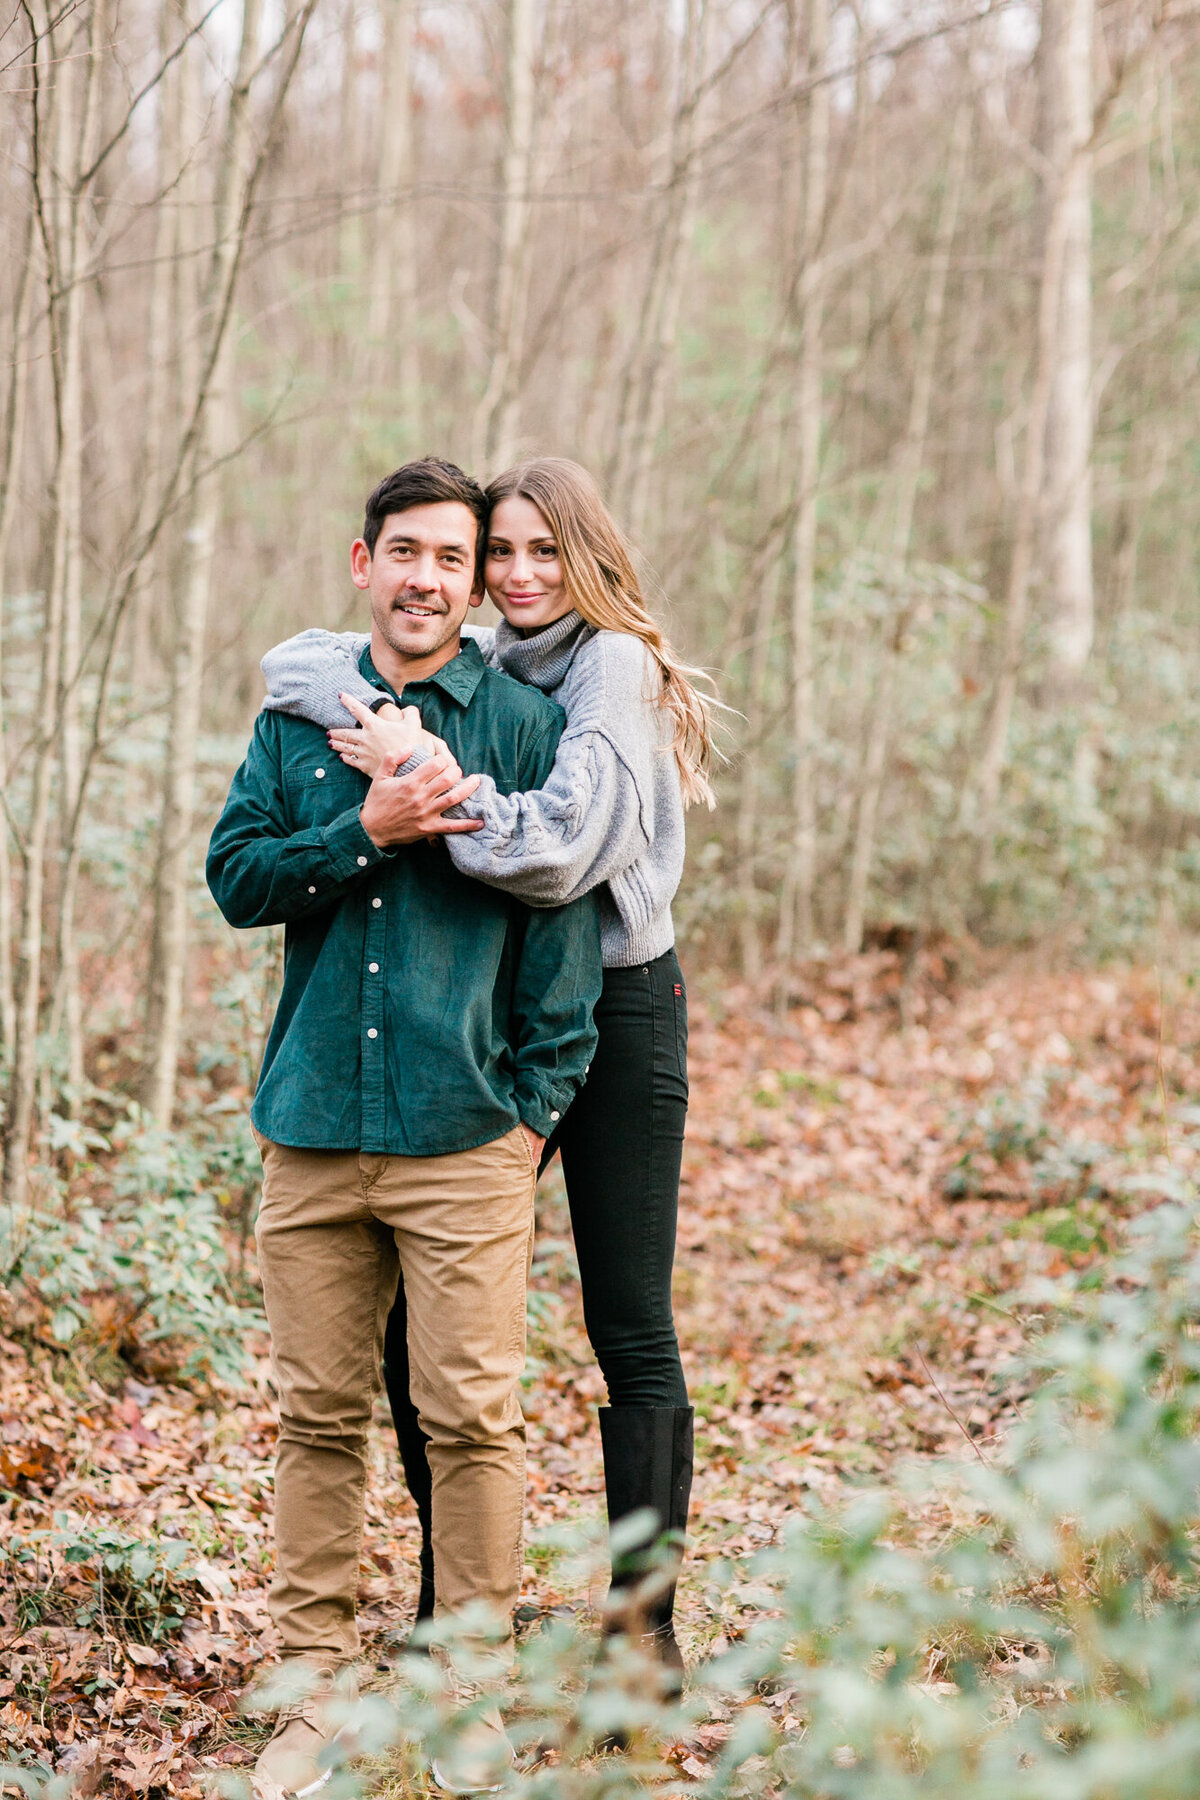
635, 751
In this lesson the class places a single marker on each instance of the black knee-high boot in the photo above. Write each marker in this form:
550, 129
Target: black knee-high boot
412, 1441
648, 1463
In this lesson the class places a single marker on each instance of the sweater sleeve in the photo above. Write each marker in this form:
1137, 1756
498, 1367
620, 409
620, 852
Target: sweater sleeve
554, 843
593, 816
305, 675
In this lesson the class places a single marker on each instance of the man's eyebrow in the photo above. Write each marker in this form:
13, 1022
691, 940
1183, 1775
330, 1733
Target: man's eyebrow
396, 539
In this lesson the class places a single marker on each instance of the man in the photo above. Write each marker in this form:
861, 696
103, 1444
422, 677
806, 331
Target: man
429, 1035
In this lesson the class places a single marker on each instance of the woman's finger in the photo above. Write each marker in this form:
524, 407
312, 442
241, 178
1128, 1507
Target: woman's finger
462, 790
362, 713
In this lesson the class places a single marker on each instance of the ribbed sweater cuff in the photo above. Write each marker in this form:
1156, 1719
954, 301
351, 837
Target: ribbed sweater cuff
624, 949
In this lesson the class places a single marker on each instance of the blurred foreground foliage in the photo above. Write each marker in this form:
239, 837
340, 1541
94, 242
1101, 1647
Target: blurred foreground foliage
1045, 1640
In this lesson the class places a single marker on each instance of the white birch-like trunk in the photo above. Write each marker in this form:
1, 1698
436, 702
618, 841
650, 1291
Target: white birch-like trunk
795, 929
495, 417
1065, 69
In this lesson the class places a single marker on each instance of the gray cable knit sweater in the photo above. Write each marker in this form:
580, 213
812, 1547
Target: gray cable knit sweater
611, 812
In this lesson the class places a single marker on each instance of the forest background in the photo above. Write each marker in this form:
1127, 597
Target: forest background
877, 322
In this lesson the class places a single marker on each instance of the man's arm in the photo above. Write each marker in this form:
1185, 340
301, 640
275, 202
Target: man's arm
259, 871
557, 986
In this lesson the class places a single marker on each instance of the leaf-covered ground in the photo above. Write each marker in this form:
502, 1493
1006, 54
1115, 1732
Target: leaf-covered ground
867, 1185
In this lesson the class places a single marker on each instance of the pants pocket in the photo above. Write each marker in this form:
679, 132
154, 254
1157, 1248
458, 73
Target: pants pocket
526, 1150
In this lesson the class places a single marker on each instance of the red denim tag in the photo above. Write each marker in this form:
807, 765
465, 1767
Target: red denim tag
678, 989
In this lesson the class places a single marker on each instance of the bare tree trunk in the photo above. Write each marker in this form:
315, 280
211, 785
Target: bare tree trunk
170, 929
62, 215
392, 325
67, 1009
495, 416
981, 794
796, 904
14, 434
748, 804
909, 464
350, 141
639, 414
664, 321
163, 278
1065, 71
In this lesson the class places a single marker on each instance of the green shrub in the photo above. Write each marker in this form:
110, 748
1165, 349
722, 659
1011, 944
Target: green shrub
136, 1586
157, 1252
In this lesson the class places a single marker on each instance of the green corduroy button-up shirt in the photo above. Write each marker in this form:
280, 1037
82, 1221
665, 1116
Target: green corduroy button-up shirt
421, 1011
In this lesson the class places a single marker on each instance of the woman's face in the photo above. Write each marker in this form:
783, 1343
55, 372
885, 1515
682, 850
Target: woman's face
522, 571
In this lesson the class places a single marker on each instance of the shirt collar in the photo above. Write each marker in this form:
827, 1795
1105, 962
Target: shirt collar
459, 677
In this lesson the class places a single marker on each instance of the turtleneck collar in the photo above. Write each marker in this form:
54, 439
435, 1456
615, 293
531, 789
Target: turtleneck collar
542, 659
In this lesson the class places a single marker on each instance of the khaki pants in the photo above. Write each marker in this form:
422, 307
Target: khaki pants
333, 1230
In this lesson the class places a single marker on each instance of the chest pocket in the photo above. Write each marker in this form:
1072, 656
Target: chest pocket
320, 789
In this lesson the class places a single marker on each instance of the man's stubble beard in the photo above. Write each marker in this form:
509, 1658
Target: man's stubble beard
384, 621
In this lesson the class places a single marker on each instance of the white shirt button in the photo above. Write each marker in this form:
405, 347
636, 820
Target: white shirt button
372, 1032
362, 862
377, 902
554, 1115
312, 890
374, 968
320, 774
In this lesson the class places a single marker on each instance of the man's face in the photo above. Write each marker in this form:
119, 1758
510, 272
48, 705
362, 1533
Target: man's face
421, 578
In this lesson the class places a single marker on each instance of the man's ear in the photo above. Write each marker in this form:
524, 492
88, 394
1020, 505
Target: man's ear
477, 595
360, 563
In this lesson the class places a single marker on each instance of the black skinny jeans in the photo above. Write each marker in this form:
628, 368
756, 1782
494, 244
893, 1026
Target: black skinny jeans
621, 1144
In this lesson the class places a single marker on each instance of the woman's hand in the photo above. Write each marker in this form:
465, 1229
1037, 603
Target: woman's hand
382, 740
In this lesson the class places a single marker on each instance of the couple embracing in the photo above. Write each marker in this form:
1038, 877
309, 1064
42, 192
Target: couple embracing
473, 838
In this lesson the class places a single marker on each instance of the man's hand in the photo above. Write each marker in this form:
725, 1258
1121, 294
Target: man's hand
536, 1144
404, 809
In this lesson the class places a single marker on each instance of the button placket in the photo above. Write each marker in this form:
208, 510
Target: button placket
374, 1084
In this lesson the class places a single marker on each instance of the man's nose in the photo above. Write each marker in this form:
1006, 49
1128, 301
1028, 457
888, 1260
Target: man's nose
422, 577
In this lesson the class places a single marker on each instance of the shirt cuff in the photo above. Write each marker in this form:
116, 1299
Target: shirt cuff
541, 1111
350, 850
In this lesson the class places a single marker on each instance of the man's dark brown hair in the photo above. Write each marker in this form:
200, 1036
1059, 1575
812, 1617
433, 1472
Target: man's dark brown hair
425, 483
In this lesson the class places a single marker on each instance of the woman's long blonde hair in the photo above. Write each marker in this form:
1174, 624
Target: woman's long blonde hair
603, 587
